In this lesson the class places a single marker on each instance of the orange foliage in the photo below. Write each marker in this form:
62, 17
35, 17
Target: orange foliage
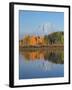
32, 40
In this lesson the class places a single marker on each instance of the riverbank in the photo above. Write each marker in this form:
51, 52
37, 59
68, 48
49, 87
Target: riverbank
40, 46
43, 47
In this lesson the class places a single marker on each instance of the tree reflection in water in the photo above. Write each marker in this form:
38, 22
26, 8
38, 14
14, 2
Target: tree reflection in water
52, 55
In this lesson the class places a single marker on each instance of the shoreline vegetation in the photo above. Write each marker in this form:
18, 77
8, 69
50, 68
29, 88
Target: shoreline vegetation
39, 46
53, 40
42, 48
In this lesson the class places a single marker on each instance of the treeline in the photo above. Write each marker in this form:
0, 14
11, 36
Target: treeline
54, 38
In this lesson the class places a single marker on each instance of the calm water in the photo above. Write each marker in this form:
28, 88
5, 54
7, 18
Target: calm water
41, 63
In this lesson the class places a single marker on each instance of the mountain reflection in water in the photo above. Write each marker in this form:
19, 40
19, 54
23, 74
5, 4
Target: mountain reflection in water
41, 63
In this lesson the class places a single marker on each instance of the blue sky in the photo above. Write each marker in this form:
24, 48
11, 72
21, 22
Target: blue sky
31, 22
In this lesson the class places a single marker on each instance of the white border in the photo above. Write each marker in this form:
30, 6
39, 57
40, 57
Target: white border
16, 46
